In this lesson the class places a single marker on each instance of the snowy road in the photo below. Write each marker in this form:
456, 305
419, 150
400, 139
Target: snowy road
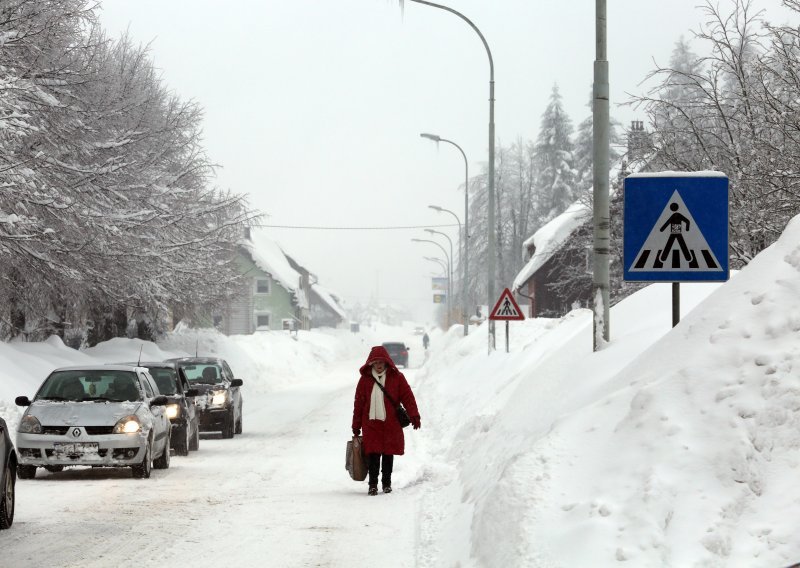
278, 495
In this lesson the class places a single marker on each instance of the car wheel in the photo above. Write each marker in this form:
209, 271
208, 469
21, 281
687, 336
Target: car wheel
54, 468
228, 426
7, 497
142, 470
194, 443
26, 471
182, 443
162, 462
238, 429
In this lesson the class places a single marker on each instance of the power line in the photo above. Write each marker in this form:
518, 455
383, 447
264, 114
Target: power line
317, 228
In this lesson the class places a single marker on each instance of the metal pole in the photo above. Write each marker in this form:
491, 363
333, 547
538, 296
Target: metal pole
449, 271
465, 239
490, 265
676, 303
450, 276
602, 215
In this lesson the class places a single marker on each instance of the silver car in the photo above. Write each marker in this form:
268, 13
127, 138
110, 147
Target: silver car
102, 416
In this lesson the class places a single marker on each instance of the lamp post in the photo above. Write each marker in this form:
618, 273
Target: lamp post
449, 271
465, 240
490, 261
442, 264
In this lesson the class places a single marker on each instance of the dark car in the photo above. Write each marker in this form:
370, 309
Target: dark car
181, 409
219, 401
398, 352
8, 477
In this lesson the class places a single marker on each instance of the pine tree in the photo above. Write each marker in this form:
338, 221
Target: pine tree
554, 160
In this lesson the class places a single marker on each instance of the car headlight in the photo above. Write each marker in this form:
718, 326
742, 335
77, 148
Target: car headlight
128, 425
218, 398
173, 411
30, 425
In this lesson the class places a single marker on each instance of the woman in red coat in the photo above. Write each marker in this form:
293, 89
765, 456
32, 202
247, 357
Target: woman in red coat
375, 415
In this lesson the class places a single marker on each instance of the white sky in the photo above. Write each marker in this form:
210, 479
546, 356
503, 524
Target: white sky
314, 107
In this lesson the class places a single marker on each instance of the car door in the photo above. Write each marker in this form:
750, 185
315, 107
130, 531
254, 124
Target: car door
160, 419
236, 395
191, 403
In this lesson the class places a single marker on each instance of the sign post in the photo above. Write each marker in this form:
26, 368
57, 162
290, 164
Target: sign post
676, 229
506, 309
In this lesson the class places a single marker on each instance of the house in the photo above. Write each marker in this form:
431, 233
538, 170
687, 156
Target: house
548, 262
272, 296
326, 309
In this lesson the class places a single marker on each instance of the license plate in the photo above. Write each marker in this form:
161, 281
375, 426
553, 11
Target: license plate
76, 448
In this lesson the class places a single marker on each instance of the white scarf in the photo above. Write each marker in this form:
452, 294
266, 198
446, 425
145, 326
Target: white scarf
377, 410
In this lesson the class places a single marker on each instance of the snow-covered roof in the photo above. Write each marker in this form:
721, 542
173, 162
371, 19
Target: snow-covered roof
329, 299
549, 238
269, 257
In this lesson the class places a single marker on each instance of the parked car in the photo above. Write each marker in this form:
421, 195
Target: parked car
100, 415
8, 477
221, 408
181, 408
398, 351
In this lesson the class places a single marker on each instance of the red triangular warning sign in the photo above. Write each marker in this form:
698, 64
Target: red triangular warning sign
506, 308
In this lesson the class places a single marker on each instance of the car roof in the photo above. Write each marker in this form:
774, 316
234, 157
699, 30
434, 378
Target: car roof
113, 367
201, 360
163, 364
394, 344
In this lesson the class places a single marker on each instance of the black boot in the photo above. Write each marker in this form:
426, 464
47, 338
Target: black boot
386, 472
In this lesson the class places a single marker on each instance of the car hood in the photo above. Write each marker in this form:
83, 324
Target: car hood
81, 413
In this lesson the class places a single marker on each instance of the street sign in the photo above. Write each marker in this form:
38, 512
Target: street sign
675, 227
506, 308
439, 298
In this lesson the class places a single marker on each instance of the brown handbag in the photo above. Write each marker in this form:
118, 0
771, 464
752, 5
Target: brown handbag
355, 461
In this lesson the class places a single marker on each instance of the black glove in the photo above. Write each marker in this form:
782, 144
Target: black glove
415, 422
356, 431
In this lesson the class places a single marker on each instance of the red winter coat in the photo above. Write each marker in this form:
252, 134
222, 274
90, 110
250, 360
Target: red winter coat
382, 436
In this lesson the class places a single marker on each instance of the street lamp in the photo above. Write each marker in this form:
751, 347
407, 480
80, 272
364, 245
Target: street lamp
449, 274
464, 252
442, 264
449, 271
490, 261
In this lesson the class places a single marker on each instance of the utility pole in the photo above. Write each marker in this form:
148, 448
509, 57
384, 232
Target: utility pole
602, 215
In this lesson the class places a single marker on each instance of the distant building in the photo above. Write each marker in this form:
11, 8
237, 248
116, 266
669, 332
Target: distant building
326, 309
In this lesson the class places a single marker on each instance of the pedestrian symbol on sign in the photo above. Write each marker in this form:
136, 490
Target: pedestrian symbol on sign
675, 243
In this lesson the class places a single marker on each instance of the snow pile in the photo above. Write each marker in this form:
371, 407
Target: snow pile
671, 447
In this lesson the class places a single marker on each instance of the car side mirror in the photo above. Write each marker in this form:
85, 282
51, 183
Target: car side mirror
192, 392
22, 401
160, 400
408, 348
236, 383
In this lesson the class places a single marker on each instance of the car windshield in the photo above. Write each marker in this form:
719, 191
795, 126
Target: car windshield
90, 385
203, 374
166, 380
394, 347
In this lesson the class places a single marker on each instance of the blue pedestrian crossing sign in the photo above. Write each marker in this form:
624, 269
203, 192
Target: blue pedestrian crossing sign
676, 227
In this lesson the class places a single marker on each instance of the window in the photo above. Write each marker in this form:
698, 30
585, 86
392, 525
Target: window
262, 285
148, 390
262, 320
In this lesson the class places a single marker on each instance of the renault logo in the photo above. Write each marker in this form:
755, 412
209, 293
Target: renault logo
76, 432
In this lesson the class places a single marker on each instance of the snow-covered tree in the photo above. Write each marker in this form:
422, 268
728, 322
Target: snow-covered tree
555, 183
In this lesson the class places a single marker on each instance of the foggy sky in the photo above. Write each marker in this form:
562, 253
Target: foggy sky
314, 108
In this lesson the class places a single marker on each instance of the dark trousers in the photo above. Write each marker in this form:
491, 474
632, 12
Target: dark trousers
374, 461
